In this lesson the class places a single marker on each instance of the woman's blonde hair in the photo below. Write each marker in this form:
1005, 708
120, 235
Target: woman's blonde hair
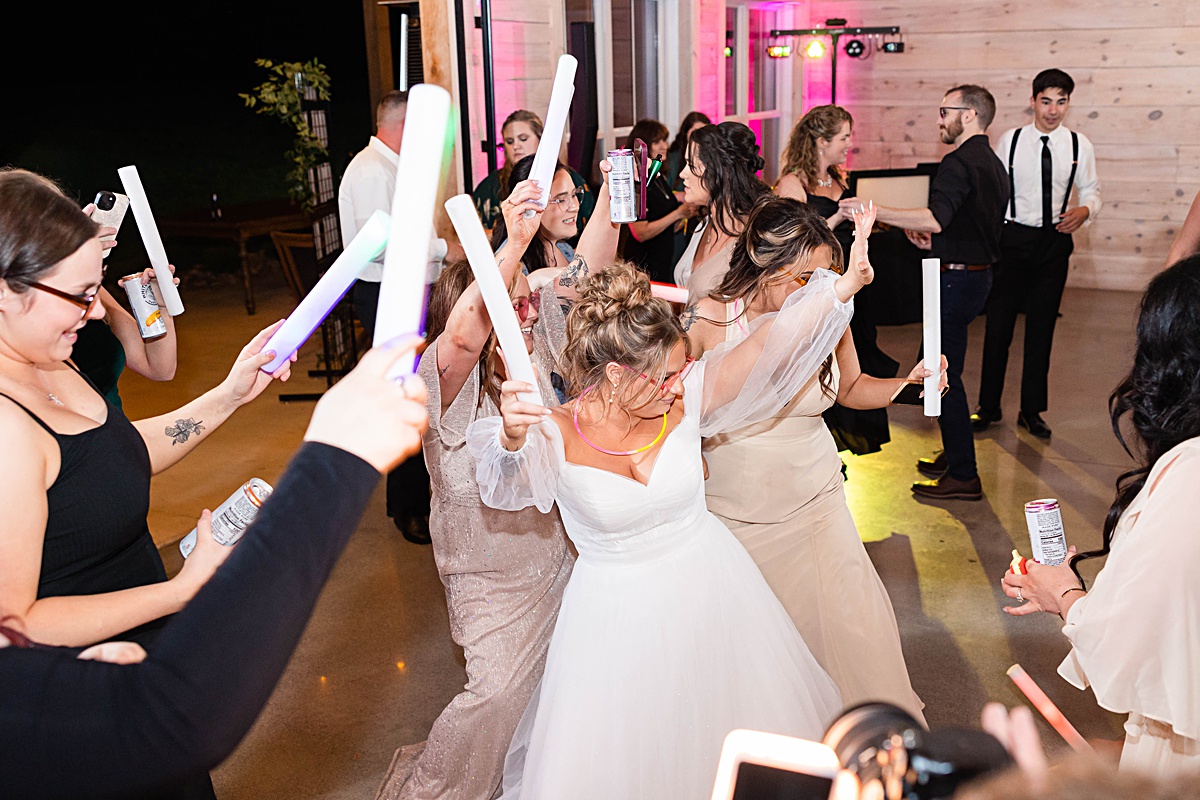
617, 319
520, 115
800, 156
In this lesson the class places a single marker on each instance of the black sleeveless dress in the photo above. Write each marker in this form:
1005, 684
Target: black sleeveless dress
97, 539
856, 430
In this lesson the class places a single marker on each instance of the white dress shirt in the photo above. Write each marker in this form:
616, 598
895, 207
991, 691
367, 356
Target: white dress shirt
367, 187
1027, 173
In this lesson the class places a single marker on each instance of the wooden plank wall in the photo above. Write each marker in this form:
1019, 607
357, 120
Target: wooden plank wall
528, 38
1136, 65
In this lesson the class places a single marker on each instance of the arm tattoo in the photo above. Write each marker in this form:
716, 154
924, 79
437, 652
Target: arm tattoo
576, 271
688, 317
183, 429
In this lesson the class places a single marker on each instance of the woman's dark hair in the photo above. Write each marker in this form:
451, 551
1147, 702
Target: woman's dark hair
649, 131
446, 290
778, 242
681, 139
537, 255
1161, 394
39, 227
730, 159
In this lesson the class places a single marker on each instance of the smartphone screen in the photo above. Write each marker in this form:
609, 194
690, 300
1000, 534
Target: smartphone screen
759, 782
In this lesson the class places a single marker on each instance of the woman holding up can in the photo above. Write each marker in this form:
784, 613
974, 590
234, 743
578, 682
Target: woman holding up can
1134, 633
80, 565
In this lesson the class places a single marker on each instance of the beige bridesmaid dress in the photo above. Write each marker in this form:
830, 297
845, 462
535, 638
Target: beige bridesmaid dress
777, 485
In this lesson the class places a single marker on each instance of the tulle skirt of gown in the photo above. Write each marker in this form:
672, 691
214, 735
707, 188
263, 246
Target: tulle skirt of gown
778, 487
652, 663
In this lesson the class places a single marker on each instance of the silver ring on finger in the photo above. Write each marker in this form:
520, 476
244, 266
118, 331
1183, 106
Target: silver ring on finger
1019, 598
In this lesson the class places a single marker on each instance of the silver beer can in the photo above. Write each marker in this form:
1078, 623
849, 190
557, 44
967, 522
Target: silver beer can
622, 194
1046, 534
144, 307
233, 517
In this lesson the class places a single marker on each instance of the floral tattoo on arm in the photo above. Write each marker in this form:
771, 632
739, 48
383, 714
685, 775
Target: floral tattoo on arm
183, 429
575, 272
688, 317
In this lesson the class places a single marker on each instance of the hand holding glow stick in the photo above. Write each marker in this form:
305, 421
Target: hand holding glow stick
546, 158
931, 295
402, 291
1047, 709
337, 280
150, 238
495, 296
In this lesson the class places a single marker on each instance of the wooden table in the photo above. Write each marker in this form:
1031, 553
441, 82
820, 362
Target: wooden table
238, 224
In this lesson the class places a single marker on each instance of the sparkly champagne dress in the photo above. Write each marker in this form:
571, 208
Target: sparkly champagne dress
504, 573
777, 486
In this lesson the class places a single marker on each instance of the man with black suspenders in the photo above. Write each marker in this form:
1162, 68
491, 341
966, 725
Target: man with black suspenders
1044, 161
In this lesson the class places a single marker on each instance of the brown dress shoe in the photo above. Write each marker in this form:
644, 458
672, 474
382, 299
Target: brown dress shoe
933, 467
947, 488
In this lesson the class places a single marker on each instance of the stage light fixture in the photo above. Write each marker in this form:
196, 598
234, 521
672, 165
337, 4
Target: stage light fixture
856, 49
815, 49
779, 50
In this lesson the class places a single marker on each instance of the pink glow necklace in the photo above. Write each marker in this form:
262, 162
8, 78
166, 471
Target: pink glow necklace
594, 446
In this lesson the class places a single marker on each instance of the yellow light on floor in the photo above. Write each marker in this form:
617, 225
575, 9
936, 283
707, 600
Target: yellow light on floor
400, 666
815, 49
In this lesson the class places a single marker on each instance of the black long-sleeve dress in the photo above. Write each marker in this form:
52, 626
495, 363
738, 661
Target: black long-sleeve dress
72, 728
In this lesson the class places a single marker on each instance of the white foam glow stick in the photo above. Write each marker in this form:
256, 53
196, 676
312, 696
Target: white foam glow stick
337, 280
546, 157
669, 292
495, 295
405, 263
931, 295
150, 239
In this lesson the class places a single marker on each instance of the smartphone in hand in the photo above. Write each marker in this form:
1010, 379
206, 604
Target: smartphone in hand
109, 212
909, 394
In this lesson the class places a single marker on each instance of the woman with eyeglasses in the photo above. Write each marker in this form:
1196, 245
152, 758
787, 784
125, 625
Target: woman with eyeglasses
777, 485
80, 565
504, 572
520, 135
550, 247
668, 636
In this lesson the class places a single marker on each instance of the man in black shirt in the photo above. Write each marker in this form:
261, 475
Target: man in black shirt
961, 227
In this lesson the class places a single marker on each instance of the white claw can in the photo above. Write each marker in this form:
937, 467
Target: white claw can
1046, 534
233, 517
622, 193
144, 306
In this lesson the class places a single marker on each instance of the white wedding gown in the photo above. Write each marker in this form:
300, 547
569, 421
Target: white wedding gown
668, 636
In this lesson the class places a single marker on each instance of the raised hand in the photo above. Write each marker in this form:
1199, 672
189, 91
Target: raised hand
522, 229
517, 414
246, 380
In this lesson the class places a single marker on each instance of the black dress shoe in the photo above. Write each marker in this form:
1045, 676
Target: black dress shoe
1034, 424
414, 529
947, 488
982, 419
933, 467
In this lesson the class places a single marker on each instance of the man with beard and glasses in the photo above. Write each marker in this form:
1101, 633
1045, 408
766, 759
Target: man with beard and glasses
961, 226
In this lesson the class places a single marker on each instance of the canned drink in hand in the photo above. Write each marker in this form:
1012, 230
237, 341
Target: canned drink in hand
233, 517
144, 306
1046, 534
622, 195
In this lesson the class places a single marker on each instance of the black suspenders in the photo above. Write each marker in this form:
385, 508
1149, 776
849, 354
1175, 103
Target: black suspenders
1012, 184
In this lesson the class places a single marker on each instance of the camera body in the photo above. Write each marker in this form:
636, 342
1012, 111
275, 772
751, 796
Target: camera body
879, 741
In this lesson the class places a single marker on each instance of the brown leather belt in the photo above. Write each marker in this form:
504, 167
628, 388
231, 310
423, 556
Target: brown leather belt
967, 267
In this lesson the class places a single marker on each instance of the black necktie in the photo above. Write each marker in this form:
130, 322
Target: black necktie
1047, 184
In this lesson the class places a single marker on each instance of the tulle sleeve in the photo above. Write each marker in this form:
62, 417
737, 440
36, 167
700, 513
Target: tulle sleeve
750, 380
1136, 633
510, 481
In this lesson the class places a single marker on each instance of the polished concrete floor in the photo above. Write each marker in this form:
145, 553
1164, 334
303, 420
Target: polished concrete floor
377, 665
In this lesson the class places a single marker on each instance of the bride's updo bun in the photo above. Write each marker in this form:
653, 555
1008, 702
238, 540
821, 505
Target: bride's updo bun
618, 319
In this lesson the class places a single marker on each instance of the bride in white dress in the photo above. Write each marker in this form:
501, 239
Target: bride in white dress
668, 636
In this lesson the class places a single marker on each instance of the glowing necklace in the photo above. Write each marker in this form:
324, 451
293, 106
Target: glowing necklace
594, 446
